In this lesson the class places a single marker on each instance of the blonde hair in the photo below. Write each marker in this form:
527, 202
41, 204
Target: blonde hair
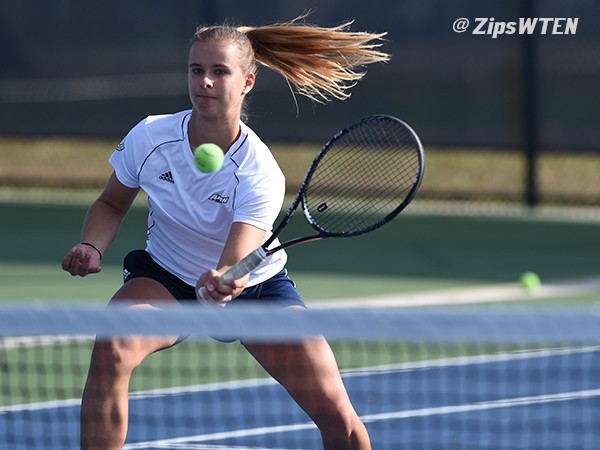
320, 63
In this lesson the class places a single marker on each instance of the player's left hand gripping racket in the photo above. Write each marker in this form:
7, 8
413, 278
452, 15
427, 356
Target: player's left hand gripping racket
360, 180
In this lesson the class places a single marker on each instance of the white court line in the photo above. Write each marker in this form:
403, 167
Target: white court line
469, 407
395, 415
348, 373
468, 360
18, 342
195, 442
259, 431
151, 393
190, 446
503, 292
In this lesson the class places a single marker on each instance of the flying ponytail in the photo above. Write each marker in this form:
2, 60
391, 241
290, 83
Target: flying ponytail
320, 63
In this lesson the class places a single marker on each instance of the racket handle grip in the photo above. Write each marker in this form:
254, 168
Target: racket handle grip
245, 265
241, 268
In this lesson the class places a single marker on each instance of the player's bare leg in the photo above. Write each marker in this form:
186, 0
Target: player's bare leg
309, 372
104, 406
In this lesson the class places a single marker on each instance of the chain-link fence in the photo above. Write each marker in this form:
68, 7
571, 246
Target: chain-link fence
505, 115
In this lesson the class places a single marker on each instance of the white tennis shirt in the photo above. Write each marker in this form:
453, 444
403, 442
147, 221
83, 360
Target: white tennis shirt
190, 212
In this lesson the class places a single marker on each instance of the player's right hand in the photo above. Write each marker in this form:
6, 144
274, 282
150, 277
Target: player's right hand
212, 289
81, 260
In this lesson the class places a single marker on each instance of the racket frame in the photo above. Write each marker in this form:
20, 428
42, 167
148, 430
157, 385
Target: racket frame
259, 255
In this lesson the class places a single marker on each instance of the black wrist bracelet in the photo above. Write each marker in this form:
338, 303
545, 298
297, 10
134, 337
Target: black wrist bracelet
93, 246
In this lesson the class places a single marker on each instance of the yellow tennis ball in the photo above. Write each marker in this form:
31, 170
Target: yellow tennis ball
208, 158
530, 281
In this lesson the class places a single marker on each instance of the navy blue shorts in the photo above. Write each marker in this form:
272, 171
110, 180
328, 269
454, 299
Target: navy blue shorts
279, 290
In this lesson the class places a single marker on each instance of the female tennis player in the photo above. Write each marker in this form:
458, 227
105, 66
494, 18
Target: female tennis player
201, 224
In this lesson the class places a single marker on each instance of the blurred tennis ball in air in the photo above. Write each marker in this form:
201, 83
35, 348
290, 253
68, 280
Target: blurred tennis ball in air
530, 281
208, 158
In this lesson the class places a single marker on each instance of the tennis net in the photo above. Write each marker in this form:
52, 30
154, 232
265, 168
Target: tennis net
435, 378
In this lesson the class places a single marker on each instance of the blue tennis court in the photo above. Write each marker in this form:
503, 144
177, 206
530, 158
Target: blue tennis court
546, 399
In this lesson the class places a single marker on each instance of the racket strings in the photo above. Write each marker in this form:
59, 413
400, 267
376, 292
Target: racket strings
366, 175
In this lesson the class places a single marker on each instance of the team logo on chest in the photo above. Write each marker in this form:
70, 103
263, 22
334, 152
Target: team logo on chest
218, 198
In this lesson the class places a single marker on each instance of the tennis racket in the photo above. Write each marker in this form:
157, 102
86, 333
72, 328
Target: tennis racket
360, 180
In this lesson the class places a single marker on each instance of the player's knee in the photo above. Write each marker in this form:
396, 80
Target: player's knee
115, 356
338, 421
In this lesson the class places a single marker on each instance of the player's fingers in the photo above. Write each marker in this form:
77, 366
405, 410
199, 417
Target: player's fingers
218, 291
83, 267
72, 262
237, 283
79, 263
66, 262
206, 298
94, 269
210, 293
211, 290
91, 262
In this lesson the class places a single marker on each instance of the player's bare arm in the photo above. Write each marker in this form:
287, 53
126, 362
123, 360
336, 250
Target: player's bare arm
243, 238
100, 227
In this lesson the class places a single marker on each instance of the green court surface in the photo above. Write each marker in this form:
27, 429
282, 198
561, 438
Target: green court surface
416, 255
416, 252
190, 363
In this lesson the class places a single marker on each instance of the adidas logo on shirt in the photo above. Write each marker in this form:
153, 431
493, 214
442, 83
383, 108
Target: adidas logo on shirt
167, 177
